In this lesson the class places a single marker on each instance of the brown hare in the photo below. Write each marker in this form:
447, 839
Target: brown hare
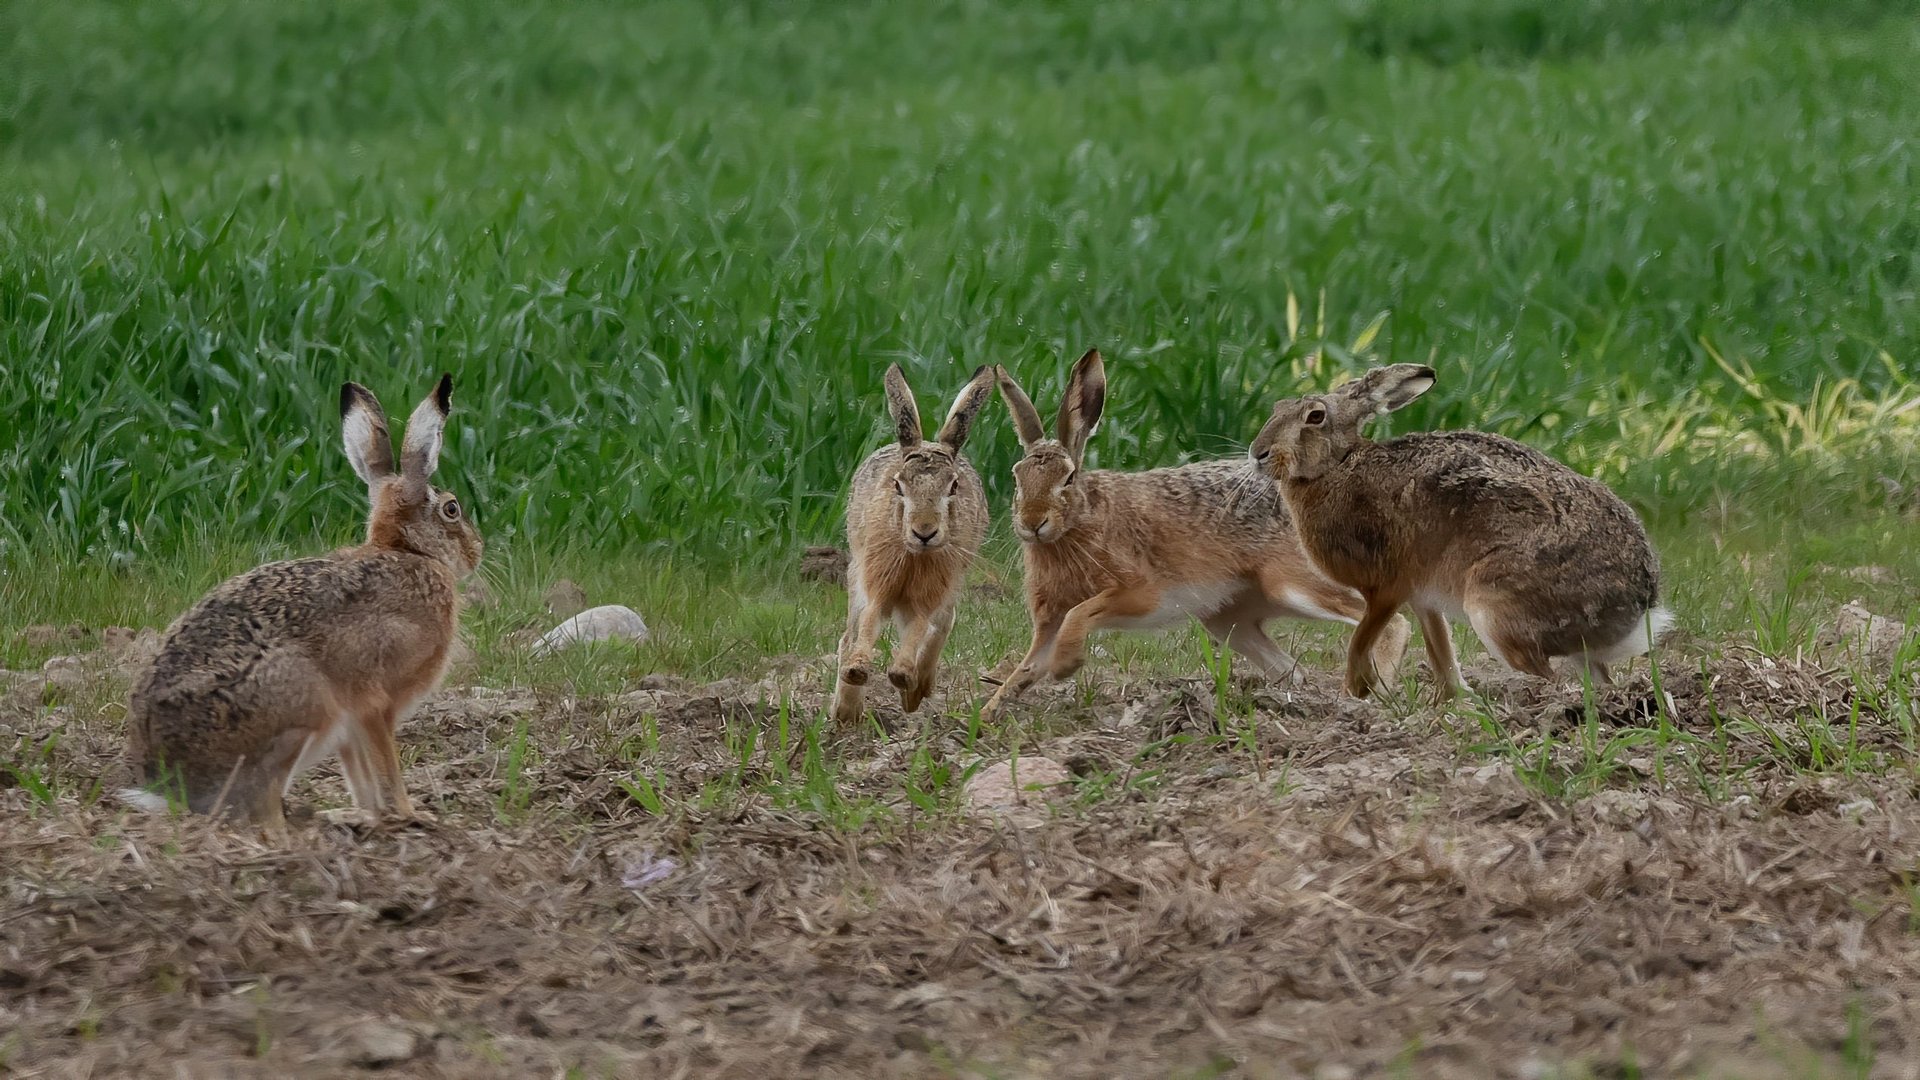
277, 669
1540, 560
1210, 540
915, 520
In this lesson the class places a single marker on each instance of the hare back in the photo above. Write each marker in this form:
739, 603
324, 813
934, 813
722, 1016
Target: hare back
351, 631
1437, 514
1208, 521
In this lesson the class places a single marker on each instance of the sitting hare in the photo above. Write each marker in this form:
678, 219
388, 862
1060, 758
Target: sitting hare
1210, 541
277, 669
1540, 560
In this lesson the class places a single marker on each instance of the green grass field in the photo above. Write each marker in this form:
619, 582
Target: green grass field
668, 248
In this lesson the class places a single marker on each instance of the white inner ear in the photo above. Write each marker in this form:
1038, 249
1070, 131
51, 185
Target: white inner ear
358, 432
424, 435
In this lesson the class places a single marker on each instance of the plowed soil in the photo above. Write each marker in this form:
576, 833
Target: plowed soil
1328, 889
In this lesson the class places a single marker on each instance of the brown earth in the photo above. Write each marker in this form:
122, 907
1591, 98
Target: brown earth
1360, 895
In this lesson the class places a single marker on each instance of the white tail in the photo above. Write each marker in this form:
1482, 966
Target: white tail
144, 801
1644, 635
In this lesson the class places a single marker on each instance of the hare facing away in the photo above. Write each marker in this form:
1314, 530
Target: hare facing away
280, 667
915, 520
1210, 540
1540, 560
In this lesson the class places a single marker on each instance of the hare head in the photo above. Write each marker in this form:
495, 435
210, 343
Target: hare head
1047, 503
1308, 436
408, 513
926, 477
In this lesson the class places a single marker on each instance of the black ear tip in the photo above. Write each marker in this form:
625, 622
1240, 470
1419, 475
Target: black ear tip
1425, 372
443, 393
346, 399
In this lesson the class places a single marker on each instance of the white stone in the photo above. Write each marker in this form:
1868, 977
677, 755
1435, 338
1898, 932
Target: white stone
605, 623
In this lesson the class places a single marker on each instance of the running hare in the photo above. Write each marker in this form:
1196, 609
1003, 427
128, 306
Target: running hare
915, 521
276, 669
1210, 540
1540, 560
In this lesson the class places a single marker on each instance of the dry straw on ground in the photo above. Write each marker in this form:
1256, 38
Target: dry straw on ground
1353, 898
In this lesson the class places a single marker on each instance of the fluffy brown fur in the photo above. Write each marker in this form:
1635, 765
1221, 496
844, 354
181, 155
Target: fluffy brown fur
276, 669
1210, 541
915, 520
1541, 561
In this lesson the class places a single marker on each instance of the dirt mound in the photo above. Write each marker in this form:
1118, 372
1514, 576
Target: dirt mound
687, 880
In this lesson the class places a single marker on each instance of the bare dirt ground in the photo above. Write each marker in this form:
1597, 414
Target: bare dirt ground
1359, 895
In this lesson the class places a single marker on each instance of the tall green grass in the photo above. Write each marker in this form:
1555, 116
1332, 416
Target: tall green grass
667, 248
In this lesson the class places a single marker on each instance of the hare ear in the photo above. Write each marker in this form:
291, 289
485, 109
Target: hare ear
1026, 418
420, 446
973, 397
1086, 398
1386, 389
900, 404
363, 427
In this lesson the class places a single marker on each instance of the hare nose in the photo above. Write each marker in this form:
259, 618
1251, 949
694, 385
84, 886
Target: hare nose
926, 537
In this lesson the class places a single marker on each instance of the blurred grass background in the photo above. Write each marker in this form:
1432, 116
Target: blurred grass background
668, 247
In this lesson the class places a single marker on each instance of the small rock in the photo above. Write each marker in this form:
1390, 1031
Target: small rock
1333, 1071
608, 622
67, 672
1012, 788
828, 564
1873, 575
564, 599
376, 1044
1873, 638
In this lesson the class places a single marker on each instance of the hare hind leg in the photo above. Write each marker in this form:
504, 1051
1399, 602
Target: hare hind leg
255, 790
1506, 636
1239, 628
1300, 593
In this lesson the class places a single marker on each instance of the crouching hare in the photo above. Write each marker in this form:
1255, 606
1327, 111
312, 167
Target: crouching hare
1210, 541
1540, 560
915, 520
277, 669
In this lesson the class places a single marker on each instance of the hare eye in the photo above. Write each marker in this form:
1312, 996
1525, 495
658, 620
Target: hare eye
953, 488
1316, 416
451, 509
899, 488
1068, 482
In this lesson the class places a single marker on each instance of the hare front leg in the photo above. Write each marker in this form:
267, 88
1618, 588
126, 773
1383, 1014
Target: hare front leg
1440, 656
1112, 605
856, 658
1046, 628
918, 659
1362, 676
